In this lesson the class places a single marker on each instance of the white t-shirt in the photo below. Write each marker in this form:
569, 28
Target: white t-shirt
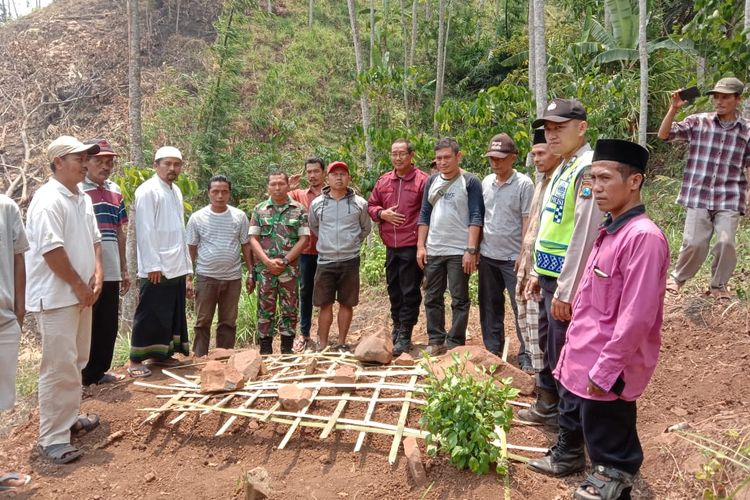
218, 237
58, 218
12, 242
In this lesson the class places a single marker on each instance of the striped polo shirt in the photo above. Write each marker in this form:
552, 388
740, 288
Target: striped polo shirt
109, 208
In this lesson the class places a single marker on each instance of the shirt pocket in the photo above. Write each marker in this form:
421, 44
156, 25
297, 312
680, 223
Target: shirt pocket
601, 293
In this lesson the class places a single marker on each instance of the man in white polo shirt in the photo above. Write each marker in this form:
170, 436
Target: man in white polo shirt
64, 280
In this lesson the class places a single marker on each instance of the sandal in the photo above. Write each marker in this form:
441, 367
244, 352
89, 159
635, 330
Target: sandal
60, 453
139, 371
85, 424
166, 362
13, 480
674, 286
605, 483
720, 293
110, 378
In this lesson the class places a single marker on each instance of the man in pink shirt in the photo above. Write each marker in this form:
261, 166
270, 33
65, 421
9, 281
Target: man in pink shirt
613, 341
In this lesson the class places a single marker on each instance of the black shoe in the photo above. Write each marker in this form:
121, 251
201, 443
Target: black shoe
542, 411
403, 344
395, 332
524, 363
287, 343
564, 458
266, 345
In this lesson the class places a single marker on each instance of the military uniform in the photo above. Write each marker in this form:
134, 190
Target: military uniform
278, 228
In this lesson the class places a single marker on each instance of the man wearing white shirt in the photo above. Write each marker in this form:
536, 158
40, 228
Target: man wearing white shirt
64, 280
159, 324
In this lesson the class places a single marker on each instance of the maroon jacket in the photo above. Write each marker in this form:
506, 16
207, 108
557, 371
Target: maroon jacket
406, 192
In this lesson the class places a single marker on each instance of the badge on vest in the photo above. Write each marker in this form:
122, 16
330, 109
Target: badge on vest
586, 186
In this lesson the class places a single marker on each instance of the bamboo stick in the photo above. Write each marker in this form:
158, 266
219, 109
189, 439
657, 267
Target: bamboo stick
401, 424
368, 414
165, 407
334, 416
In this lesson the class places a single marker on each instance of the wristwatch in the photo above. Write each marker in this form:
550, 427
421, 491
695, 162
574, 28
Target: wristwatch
285, 260
471, 250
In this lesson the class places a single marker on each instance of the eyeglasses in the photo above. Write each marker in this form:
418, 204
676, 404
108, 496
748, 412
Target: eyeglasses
399, 155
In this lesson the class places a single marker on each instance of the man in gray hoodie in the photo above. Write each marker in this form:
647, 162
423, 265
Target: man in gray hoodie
340, 220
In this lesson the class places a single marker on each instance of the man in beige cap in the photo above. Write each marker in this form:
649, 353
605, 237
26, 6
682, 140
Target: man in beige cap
159, 324
714, 185
64, 280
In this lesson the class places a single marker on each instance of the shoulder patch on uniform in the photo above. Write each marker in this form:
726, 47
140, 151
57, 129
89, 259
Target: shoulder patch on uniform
586, 187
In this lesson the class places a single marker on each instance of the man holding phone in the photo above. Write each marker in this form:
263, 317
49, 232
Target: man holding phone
715, 183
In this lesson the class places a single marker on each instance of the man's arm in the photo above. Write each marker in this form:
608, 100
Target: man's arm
247, 255
97, 280
122, 240
145, 227
422, 231
374, 203
469, 260
666, 124
19, 287
365, 222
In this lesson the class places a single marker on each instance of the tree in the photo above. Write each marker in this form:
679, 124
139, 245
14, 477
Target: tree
440, 64
363, 95
532, 51
643, 57
540, 58
372, 31
134, 84
406, 62
310, 8
413, 47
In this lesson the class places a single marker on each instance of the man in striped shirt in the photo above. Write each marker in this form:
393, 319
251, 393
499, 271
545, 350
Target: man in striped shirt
216, 235
112, 220
715, 183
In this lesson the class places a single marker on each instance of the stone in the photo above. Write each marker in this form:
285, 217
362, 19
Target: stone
263, 370
405, 359
149, 477
485, 359
257, 484
414, 462
220, 353
375, 348
293, 397
247, 362
218, 377
344, 374
311, 367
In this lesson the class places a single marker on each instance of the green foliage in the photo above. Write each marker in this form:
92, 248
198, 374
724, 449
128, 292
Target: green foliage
461, 416
372, 258
131, 177
247, 319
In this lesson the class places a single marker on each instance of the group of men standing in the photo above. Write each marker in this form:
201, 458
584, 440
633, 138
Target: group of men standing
584, 267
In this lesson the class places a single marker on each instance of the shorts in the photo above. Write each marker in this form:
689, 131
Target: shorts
337, 281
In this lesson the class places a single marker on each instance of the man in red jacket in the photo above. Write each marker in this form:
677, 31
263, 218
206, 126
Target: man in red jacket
394, 204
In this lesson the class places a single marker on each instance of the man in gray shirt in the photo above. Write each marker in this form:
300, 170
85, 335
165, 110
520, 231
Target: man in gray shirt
507, 198
215, 236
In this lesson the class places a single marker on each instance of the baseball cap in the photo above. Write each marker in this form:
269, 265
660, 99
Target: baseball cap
561, 110
337, 164
501, 145
729, 85
105, 149
66, 144
167, 152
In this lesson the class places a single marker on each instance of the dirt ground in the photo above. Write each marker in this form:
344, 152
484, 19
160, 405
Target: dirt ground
700, 380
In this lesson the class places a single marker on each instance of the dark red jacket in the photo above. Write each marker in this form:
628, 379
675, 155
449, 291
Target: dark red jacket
404, 192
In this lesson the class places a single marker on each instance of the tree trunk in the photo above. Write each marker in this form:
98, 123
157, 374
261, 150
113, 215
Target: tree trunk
540, 58
372, 31
700, 70
362, 98
746, 108
532, 51
311, 6
269, 7
643, 58
413, 47
404, 34
440, 62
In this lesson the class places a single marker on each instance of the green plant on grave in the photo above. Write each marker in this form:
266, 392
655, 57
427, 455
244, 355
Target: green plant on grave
462, 413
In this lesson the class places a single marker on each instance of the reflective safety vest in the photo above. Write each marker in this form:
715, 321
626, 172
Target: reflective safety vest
558, 217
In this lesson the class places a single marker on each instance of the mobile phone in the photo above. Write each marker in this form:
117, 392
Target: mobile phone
689, 94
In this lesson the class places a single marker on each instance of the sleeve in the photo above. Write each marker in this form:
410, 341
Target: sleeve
312, 217
644, 267
122, 213
254, 229
476, 201
49, 230
527, 195
192, 237
680, 131
426, 211
587, 219
244, 228
304, 225
365, 222
96, 235
20, 242
375, 203
145, 230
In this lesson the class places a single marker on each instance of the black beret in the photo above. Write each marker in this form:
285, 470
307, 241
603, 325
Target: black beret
539, 137
621, 151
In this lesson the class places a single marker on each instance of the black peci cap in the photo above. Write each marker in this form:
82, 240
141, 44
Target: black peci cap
621, 151
539, 137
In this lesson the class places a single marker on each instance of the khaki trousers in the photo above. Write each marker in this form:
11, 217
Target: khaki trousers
66, 339
700, 226
211, 294
10, 335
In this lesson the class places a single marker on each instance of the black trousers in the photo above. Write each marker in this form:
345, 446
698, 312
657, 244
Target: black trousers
609, 430
104, 323
495, 277
551, 335
404, 279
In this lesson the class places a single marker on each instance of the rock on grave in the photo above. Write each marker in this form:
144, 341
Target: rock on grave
480, 356
247, 362
344, 374
218, 377
375, 348
257, 484
220, 353
293, 397
405, 359
311, 367
414, 462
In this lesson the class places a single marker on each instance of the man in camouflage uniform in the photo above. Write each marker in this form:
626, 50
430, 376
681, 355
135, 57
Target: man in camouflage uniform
278, 234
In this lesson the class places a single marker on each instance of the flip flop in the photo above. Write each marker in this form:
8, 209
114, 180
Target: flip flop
139, 371
110, 378
167, 362
673, 286
85, 424
60, 453
24, 479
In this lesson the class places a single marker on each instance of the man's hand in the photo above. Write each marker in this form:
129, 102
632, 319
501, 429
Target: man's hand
595, 390
421, 257
250, 284
124, 282
533, 290
469, 262
189, 290
20, 314
276, 266
392, 216
677, 101
154, 277
95, 283
561, 311
294, 181
84, 293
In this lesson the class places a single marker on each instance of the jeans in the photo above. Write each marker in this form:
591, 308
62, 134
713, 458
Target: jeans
308, 264
444, 272
496, 276
404, 279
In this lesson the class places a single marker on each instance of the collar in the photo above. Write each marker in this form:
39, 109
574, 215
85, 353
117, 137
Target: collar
509, 180
59, 186
612, 226
88, 183
409, 175
162, 183
327, 192
270, 203
738, 122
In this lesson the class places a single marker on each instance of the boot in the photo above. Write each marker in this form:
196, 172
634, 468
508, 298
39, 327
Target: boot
543, 410
403, 343
395, 332
287, 342
564, 458
266, 345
